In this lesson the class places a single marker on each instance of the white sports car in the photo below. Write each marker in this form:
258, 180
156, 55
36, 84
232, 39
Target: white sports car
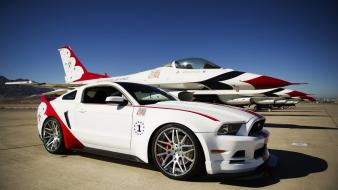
146, 124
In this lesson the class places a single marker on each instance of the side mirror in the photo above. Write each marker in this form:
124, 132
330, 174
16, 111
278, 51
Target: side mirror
115, 99
183, 95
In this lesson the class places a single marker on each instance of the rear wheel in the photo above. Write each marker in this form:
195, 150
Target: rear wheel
52, 137
176, 152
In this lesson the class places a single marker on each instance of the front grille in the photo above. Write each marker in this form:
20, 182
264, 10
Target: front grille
256, 128
236, 161
260, 152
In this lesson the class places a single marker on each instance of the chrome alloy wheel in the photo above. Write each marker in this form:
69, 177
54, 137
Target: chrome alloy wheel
174, 151
51, 135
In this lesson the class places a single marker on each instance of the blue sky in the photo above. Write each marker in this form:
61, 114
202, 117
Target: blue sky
291, 39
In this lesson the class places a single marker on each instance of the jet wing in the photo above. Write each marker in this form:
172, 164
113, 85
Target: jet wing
43, 85
57, 92
230, 92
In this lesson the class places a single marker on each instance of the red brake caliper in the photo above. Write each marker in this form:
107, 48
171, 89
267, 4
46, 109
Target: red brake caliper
158, 158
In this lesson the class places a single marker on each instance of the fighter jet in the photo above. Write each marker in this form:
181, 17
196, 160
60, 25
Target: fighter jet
190, 78
183, 74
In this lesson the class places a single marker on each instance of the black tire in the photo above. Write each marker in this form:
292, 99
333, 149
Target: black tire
196, 167
51, 135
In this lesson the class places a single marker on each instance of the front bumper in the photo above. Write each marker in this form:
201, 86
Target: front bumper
241, 153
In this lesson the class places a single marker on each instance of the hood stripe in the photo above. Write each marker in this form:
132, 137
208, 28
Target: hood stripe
245, 110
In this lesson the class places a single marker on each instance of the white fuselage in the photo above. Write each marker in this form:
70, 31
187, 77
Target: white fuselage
181, 79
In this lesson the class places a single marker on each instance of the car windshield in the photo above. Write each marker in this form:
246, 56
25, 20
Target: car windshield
195, 63
145, 94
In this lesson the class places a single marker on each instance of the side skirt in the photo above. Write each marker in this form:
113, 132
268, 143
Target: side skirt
110, 154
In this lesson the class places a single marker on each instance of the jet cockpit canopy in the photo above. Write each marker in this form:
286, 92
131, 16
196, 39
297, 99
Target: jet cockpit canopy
193, 63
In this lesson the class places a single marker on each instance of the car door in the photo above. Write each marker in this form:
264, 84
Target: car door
99, 124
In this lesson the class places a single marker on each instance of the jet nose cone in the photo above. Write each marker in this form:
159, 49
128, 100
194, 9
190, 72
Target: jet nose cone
263, 82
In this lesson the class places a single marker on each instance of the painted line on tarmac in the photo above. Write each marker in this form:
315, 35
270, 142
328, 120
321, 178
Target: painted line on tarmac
17, 108
334, 122
301, 144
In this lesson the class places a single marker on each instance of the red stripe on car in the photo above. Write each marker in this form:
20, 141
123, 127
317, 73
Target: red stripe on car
242, 109
69, 139
201, 114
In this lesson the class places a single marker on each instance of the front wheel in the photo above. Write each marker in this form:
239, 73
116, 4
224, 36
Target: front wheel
176, 152
52, 137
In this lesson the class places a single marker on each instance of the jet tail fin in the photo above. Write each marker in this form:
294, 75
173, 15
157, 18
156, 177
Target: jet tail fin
74, 69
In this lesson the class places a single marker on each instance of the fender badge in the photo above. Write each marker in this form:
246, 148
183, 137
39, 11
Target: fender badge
141, 111
139, 127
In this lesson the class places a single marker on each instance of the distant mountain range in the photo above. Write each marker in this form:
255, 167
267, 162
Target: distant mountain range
8, 92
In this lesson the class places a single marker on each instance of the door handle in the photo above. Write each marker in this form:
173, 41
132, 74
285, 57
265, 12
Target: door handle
82, 111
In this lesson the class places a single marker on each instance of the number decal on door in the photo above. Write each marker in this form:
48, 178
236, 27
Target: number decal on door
139, 127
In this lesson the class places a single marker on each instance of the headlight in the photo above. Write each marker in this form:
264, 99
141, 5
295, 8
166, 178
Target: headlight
229, 129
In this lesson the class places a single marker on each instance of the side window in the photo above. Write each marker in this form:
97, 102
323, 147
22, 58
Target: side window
98, 95
69, 96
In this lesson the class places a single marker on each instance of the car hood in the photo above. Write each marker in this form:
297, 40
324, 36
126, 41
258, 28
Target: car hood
222, 113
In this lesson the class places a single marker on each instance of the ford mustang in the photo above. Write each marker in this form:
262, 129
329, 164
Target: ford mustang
147, 124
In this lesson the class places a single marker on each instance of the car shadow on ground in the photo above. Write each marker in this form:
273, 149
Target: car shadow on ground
290, 126
113, 159
289, 165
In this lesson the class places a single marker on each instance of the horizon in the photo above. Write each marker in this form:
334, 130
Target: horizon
295, 41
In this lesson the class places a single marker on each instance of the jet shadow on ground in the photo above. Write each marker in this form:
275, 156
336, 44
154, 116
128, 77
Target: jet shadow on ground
290, 126
289, 165
294, 115
293, 111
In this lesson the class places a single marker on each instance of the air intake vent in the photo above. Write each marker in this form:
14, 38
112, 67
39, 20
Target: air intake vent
239, 154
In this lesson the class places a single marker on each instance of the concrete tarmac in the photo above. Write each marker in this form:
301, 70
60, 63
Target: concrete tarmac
304, 139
